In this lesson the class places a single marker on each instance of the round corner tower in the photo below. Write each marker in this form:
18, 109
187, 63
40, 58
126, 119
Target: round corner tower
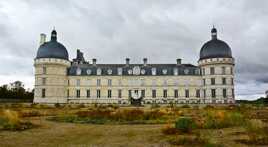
217, 68
51, 64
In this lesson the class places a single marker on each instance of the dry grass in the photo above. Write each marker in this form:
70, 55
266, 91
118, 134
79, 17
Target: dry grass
222, 125
10, 120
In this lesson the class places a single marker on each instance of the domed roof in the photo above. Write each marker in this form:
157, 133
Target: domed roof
52, 49
215, 48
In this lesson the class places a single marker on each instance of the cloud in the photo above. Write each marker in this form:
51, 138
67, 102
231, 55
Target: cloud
161, 30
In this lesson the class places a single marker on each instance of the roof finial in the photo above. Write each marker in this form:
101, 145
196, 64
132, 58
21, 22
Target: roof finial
54, 34
214, 32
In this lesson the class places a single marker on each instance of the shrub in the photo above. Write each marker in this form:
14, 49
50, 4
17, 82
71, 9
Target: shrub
222, 119
11, 121
57, 105
29, 113
185, 124
189, 141
169, 130
255, 129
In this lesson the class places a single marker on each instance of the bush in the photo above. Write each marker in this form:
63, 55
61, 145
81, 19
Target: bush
29, 113
189, 141
222, 119
11, 121
57, 105
169, 130
185, 124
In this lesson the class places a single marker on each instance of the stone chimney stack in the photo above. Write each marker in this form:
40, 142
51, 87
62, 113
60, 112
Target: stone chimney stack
94, 61
127, 61
42, 38
145, 60
178, 61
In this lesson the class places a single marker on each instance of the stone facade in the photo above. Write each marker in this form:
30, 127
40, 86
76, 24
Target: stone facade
58, 80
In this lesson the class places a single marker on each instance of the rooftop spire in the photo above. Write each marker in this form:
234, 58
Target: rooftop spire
214, 33
53, 35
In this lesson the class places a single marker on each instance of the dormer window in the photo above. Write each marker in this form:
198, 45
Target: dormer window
154, 71
78, 71
175, 71
164, 71
110, 71
143, 71
197, 71
98, 71
129, 72
120, 71
186, 71
88, 72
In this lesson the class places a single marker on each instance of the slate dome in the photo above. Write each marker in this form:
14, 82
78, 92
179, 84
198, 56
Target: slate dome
52, 49
215, 48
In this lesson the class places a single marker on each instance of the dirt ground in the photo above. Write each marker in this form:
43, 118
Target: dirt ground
56, 134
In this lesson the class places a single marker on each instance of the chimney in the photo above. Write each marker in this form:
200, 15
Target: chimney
145, 61
178, 61
42, 38
127, 61
94, 61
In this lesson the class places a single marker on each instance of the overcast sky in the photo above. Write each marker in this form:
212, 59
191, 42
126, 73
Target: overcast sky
161, 30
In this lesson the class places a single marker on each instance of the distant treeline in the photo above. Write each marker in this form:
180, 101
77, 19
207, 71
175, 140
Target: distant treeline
258, 101
15, 93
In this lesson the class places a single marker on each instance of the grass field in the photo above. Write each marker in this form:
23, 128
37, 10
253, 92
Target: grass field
81, 126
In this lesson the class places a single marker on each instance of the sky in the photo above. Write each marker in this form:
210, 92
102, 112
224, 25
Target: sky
161, 30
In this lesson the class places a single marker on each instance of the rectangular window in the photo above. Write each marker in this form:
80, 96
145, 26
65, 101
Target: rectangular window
88, 93
224, 93
109, 82
213, 93
224, 81
77, 93
44, 70
68, 82
232, 81
98, 93
176, 93
129, 93
44, 81
143, 93
198, 93
212, 81
119, 93
187, 93
109, 93
233, 94
204, 82
212, 70
43, 93
165, 83
68, 93
165, 93
223, 70
204, 71
78, 82
119, 82
205, 94
231, 70
154, 93
98, 82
